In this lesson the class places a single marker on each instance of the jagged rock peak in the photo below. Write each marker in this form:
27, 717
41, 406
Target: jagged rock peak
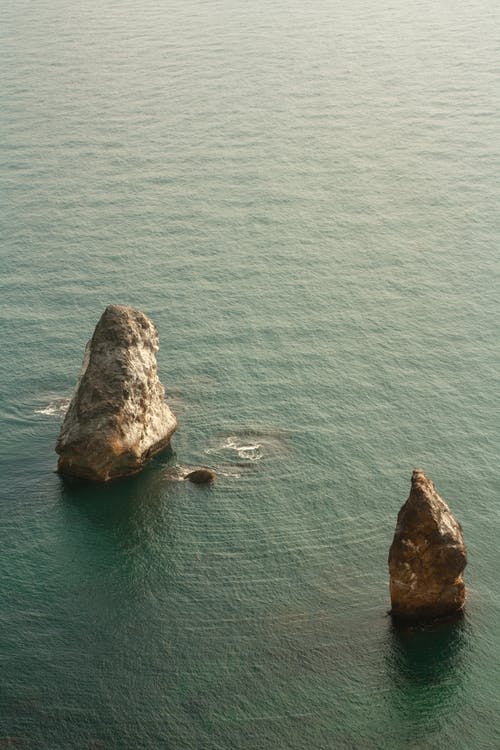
118, 417
427, 556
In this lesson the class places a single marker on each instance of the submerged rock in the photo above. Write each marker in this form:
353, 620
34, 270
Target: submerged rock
118, 417
202, 476
427, 556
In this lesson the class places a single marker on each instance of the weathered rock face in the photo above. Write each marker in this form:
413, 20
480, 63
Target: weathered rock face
427, 556
118, 417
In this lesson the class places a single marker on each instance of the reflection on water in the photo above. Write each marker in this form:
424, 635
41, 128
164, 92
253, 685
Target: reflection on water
427, 667
128, 523
128, 502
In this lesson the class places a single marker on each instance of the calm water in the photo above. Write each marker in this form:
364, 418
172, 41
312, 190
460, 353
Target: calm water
304, 197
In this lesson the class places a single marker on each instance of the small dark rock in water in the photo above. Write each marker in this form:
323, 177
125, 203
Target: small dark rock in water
202, 476
117, 418
427, 556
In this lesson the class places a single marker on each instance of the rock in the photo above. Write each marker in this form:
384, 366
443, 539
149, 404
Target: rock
427, 556
117, 418
202, 476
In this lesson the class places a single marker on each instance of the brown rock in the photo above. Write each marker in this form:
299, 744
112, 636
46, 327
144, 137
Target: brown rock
118, 417
202, 476
427, 556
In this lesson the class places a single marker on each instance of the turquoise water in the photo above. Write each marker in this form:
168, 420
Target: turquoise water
304, 197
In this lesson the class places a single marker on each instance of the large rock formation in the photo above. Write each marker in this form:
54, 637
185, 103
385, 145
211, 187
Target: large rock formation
427, 556
118, 417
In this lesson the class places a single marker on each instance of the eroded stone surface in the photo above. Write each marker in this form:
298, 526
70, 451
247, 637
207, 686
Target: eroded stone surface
427, 556
118, 417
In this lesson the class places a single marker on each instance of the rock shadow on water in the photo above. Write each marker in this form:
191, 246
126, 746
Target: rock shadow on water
129, 509
427, 663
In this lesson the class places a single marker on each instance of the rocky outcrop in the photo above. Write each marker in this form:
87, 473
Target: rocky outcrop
427, 556
202, 476
117, 418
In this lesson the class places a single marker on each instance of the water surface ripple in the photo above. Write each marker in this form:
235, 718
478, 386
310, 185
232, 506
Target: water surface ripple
304, 197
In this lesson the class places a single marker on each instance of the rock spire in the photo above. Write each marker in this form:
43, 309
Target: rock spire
427, 556
118, 417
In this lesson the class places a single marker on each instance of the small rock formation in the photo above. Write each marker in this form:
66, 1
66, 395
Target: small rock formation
117, 418
427, 556
202, 476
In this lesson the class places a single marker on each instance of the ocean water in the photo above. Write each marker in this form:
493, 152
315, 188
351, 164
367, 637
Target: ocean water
305, 199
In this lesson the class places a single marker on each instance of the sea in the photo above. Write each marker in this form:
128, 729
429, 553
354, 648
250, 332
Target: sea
304, 197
